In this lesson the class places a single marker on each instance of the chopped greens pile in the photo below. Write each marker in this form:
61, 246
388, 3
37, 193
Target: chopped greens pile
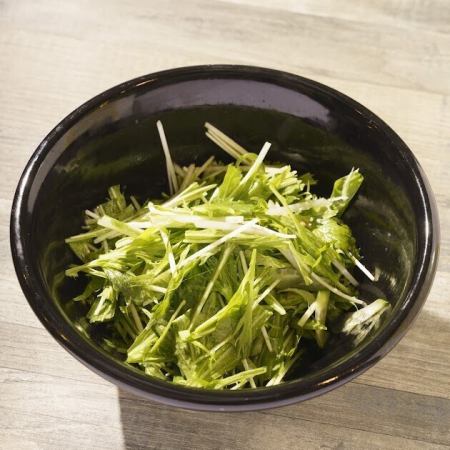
219, 284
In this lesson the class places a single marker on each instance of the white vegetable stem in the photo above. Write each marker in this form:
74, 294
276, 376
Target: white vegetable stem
173, 183
363, 315
227, 143
219, 142
266, 338
290, 257
256, 164
174, 220
275, 209
345, 272
243, 261
339, 293
307, 314
362, 268
166, 242
192, 192
209, 248
266, 292
210, 285
247, 367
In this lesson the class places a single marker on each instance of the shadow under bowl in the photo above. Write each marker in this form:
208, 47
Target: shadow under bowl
112, 139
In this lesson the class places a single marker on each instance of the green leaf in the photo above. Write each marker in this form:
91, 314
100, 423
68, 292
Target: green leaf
104, 307
345, 189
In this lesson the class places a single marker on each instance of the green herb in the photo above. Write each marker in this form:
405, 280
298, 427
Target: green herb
219, 285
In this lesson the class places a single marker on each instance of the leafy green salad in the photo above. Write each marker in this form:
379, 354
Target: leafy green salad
222, 282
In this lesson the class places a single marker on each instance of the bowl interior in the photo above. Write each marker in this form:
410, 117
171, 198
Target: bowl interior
114, 141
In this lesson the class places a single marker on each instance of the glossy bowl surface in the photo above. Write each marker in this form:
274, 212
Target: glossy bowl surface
112, 139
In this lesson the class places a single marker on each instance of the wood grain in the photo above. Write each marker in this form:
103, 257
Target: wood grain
392, 56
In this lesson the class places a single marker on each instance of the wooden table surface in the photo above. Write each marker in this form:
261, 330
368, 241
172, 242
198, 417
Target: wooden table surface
391, 55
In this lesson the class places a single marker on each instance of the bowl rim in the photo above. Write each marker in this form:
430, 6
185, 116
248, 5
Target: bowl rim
193, 398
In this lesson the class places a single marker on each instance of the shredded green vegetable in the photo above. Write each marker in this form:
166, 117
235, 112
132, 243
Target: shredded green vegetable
219, 285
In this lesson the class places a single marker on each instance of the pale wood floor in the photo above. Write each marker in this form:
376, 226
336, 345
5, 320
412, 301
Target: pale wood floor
391, 55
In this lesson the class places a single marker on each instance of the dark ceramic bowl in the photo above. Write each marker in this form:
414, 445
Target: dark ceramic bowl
113, 139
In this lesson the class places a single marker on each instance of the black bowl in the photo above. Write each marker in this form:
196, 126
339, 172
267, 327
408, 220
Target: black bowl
113, 139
